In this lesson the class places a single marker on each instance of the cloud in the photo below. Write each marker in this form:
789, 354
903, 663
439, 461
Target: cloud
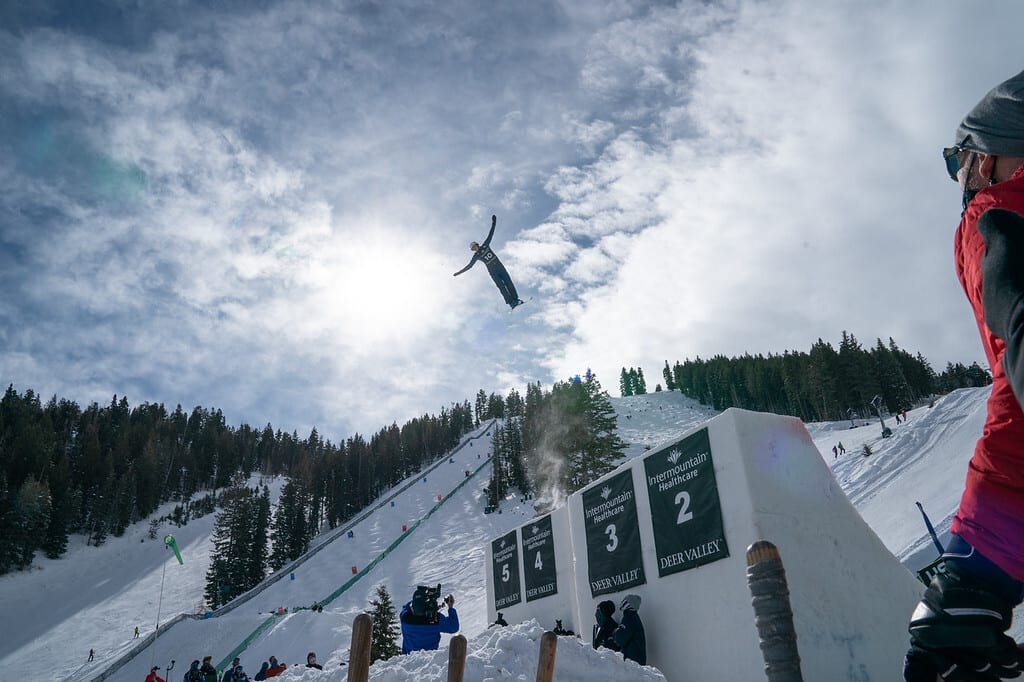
259, 208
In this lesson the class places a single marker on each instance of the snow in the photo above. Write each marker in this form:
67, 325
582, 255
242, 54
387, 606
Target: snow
93, 597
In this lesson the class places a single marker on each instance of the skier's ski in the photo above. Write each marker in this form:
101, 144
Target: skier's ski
521, 302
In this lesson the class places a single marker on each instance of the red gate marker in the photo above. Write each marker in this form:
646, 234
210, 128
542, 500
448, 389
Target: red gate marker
354, 571
404, 528
438, 498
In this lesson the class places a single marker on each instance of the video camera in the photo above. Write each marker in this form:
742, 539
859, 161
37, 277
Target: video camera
424, 603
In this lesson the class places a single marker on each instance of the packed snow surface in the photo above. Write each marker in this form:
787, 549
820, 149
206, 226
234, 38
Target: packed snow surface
94, 597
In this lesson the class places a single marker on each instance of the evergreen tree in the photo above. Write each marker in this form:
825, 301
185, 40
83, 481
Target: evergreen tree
625, 383
670, 382
576, 439
290, 534
641, 384
384, 640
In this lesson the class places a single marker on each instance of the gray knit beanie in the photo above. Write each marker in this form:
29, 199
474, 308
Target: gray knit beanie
996, 124
630, 602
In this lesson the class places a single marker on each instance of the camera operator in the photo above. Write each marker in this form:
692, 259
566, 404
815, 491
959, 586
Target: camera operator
423, 623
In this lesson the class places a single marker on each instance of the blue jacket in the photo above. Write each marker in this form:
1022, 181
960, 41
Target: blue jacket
631, 638
426, 637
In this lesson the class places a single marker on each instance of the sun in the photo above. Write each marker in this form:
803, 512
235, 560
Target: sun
382, 288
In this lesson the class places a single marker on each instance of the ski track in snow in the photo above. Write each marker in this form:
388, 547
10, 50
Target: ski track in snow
93, 597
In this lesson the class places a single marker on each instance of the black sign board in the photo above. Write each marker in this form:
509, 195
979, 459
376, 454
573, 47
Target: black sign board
505, 551
685, 509
613, 535
539, 559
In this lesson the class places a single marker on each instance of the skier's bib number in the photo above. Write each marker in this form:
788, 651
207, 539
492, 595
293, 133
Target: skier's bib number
505, 575
538, 564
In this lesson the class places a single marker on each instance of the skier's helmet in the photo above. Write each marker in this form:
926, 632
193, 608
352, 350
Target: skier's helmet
474, 246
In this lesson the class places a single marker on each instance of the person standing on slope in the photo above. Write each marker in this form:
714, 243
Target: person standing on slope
497, 271
958, 630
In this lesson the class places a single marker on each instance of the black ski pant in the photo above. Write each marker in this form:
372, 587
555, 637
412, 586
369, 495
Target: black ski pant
501, 278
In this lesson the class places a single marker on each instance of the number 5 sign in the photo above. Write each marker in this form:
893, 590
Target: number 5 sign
685, 509
505, 554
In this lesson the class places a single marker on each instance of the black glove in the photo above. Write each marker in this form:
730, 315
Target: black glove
958, 629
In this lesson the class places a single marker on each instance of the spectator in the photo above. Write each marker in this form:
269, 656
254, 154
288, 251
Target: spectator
605, 626
90, 654
629, 636
152, 676
958, 630
262, 674
208, 671
842, 450
422, 628
229, 674
275, 668
239, 673
311, 661
136, 632
193, 674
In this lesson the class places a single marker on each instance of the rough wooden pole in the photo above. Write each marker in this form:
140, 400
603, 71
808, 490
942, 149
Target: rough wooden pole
546, 661
359, 652
773, 615
456, 658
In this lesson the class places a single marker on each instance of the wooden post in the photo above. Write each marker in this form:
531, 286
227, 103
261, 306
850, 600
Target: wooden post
773, 615
359, 652
546, 661
456, 658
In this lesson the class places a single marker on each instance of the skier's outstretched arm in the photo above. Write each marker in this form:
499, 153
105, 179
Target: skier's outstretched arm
1002, 289
472, 262
494, 221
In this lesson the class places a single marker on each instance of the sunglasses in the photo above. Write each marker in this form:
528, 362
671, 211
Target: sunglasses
951, 155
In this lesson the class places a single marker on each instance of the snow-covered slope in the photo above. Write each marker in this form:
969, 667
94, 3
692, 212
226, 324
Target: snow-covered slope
94, 597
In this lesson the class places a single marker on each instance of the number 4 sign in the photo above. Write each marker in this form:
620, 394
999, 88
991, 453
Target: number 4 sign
539, 555
685, 510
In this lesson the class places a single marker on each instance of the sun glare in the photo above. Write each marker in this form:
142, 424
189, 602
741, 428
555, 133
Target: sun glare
381, 290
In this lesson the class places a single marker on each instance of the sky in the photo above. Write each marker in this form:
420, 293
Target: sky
258, 206
93, 597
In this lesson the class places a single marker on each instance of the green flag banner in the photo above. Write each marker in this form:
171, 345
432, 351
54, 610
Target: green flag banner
169, 541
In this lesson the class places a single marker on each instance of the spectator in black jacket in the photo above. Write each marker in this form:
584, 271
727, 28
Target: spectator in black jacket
630, 633
606, 626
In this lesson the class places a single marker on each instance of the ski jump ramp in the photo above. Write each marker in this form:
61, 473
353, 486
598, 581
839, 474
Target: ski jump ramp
673, 526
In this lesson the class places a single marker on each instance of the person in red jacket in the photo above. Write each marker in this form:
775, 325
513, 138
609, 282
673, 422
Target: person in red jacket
958, 629
275, 668
152, 676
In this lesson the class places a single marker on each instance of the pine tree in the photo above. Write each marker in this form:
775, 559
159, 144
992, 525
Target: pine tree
670, 382
641, 383
290, 531
384, 640
625, 383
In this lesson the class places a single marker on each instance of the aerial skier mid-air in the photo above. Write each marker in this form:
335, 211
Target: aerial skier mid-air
497, 271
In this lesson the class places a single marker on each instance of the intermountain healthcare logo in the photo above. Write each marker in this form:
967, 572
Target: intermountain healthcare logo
615, 560
685, 509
